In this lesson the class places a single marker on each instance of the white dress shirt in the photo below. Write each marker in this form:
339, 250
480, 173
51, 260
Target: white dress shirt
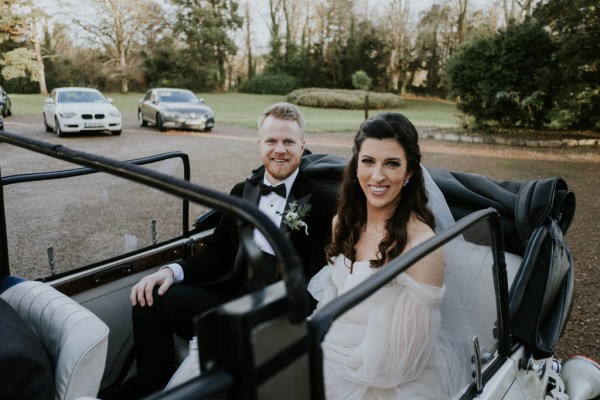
272, 205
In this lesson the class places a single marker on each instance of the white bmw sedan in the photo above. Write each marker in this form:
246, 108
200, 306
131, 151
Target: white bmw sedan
79, 109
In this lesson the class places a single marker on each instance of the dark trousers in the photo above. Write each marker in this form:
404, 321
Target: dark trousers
153, 329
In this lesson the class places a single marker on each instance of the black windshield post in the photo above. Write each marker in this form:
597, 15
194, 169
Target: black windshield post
4, 269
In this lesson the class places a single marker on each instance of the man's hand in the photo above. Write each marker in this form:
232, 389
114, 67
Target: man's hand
141, 292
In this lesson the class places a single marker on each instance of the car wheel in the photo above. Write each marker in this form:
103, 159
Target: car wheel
116, 133
57, 129
141, 119
208, 129
8, 112
159, 123
48, 129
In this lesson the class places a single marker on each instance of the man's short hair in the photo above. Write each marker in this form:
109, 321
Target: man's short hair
285, 111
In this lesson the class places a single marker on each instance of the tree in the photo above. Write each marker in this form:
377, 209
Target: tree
207, 26
117, 29
517, 10
373, 54
397, 23
575, 28
19, 23
251, 71
361, 81
432, 47
506, 79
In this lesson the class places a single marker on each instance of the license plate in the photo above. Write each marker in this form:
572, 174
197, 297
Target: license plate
193, 122
94, 124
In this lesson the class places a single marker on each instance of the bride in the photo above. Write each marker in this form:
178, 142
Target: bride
390, 346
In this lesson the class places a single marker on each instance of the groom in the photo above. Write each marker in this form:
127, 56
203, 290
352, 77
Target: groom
165, 301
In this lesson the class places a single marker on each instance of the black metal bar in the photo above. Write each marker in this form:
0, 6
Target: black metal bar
4, 260
320, 322
287, 259
502, 299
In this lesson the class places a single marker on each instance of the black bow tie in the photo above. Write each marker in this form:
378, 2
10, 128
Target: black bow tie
266, 189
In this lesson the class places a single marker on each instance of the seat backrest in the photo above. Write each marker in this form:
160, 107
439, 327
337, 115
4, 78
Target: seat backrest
542, 296
75, 338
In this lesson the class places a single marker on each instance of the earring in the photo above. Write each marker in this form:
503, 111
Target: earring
405, 182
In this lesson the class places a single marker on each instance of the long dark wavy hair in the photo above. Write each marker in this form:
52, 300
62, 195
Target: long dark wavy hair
352, 207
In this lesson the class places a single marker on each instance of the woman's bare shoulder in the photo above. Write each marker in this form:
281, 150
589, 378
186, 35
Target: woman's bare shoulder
418, 232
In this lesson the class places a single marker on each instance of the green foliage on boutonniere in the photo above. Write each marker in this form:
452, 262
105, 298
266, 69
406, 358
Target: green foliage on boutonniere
294, 216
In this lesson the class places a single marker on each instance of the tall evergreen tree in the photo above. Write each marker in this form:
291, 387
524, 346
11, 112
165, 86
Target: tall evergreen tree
207, 27
575, 28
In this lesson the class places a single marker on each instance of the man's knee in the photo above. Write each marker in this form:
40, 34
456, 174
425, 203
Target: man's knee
148, 312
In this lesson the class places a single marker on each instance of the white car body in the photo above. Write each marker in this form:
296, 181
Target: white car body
79, 109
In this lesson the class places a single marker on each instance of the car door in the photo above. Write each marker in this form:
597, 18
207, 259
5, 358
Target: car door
50, 105
146, 106
252, 358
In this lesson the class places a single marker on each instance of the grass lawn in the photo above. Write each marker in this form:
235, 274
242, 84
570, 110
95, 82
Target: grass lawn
243, 109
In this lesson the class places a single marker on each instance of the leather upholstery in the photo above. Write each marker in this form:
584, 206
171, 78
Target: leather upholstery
76, 339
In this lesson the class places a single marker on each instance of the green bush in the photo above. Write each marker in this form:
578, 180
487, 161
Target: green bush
361, 81
270, 84
343, 98
505, 80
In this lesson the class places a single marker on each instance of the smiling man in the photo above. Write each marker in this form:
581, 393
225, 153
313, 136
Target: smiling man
166, 301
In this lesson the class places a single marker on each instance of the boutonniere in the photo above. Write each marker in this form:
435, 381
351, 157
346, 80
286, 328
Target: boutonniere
294, 216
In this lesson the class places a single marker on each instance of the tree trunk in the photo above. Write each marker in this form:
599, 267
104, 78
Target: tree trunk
37, 48
124, 75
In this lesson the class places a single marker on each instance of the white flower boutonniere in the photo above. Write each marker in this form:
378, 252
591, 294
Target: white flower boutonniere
294, 216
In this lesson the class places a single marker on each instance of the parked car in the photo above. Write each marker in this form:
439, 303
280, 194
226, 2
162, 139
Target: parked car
175, 108
80, 109
514, 290
5, 103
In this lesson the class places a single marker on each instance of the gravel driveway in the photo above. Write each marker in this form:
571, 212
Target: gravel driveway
225, 156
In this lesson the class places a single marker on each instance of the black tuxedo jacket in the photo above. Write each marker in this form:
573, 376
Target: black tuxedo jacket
217, 258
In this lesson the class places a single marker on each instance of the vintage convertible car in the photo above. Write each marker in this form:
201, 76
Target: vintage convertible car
67, 266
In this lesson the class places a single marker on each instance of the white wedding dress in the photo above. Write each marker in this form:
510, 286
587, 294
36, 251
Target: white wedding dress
391, 345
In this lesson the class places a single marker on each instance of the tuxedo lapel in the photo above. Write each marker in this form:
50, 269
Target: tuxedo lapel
251, 192
252, 189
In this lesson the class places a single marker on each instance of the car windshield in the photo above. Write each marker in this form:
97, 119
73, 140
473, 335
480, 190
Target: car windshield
176, 97
80, 96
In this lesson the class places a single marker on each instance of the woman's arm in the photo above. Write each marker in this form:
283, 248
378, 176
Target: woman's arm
430, 269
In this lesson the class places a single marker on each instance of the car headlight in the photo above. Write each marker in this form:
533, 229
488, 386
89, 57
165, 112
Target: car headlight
210, 114
170, 114
67, 114
114, 113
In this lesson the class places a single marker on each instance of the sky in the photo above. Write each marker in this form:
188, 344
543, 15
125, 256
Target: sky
260, 12
260, 9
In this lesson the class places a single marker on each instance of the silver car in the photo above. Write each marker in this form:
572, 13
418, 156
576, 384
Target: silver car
175, 108
5, 104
